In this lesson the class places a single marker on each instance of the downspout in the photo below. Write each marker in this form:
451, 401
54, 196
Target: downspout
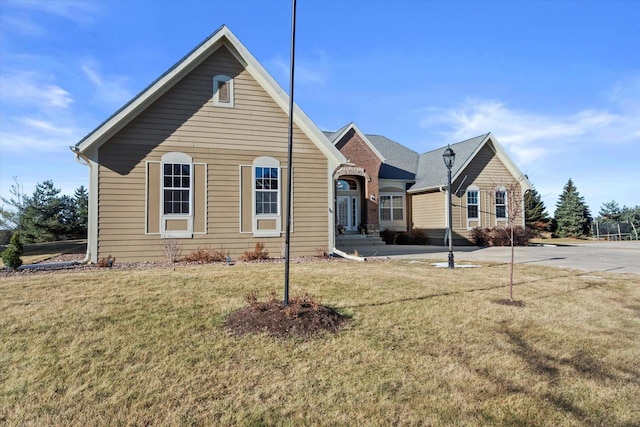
442, 190
83, 160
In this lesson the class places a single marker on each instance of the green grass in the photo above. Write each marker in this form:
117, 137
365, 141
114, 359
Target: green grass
425, 346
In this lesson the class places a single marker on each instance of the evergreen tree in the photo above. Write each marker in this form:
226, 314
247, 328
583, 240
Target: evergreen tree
536, 217
44, 214
610, 212
572, 214
631, 215
12, 209
81, 198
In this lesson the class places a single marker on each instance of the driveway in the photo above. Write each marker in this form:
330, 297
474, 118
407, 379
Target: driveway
616, 257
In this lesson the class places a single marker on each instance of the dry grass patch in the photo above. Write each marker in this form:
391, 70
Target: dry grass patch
39, 252
425, 346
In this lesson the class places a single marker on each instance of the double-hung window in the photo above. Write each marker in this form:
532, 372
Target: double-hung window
176, 188
266, 190
391, 207
472, 204
501, 204
261, 192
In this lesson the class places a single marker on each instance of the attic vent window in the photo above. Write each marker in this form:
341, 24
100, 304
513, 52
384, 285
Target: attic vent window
222, 91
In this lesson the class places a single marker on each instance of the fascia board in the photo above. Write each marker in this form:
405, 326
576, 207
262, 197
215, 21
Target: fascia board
420, 190
510, 165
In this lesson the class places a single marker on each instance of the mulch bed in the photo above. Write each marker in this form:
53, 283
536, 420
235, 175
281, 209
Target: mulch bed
299, 318
511, 303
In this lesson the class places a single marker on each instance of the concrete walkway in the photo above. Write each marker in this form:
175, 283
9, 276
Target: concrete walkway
616, 257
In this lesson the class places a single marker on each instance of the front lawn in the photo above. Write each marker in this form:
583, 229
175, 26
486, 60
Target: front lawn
424, 346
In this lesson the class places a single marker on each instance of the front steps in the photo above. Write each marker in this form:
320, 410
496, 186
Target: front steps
349, 241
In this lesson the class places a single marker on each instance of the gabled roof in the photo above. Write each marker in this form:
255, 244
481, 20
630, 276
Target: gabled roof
432, 173
335, 137
398, 161
221, 37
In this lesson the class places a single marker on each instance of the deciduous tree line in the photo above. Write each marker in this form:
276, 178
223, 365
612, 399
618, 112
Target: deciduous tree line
46, 215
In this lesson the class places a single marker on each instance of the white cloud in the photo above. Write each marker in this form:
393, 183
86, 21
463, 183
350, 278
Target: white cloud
598, 146
27, 88
110, 90
22, 24
78, 11
308, 70
530, 136
44, 126
34, 139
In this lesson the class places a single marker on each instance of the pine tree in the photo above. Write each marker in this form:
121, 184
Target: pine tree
572, 214
610, 212
43, 217
536, 217
80, 212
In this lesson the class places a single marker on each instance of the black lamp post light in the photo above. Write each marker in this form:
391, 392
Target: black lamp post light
449, 158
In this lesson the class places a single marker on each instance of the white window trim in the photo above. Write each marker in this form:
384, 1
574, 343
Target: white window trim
266, 162
504, 219
216, 101
183, 158
472, 188
404, 208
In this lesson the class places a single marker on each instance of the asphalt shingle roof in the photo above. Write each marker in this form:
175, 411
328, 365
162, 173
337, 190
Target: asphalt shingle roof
431, 170
427, 170
400, 162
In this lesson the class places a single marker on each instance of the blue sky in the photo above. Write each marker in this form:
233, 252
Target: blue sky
558, 83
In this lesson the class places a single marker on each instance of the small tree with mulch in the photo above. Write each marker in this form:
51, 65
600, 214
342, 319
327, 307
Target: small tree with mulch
304, 316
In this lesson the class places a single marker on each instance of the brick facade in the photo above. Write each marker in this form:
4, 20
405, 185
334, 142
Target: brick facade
358, 152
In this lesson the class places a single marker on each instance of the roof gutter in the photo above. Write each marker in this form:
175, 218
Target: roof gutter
83, 160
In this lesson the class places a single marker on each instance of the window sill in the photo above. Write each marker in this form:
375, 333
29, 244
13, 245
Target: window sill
178, 235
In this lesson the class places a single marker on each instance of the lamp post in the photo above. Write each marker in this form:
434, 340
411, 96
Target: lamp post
449, 157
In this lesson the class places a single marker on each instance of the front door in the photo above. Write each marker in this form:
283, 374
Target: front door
347, 208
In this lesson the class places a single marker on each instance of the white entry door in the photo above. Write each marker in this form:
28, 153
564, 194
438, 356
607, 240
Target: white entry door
347, 208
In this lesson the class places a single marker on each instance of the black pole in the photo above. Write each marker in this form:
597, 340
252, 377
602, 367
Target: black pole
287, 239
451, 262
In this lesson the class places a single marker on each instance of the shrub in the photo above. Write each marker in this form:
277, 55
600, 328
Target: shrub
389, 236
171, 249
419, 237
257, 254
403, 239
11, 258
204, 255
479, 236
11, 255
498, 236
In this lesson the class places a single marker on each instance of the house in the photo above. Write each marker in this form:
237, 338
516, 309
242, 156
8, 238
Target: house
389, 186
199, 157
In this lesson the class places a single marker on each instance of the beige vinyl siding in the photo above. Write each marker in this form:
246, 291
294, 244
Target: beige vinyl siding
429, 210
487, 172
428, 214
185, 120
